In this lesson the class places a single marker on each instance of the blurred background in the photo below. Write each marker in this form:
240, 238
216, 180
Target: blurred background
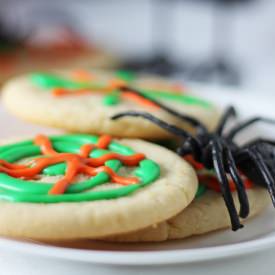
214, 42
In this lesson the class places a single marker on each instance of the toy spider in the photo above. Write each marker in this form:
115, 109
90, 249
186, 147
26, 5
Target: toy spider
218, 151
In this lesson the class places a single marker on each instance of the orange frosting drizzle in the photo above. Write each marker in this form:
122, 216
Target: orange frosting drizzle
139, 100
114, 84
82, 75
196, 165
76, 164
211, 181
59, 92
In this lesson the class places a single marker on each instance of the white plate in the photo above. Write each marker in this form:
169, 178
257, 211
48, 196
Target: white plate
208, 254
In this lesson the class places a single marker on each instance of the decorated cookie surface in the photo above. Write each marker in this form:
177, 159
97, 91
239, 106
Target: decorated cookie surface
83, 186
84, 101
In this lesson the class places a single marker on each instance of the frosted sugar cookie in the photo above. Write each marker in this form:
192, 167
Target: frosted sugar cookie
82, 186
81, 101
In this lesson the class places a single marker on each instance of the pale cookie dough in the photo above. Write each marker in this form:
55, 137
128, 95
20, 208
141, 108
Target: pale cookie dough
205, 214
87, 113
160, 200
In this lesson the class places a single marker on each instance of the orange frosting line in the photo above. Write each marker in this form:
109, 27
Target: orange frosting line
212, 183
178, 88
76, 163
86, 149
82, 75
116, 84
71, 172
104, 141
11, 165
127, 160
45, 145
59, 92
196, 165
113, 85
138, 99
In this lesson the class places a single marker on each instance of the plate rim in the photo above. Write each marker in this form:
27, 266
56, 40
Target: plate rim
137, 258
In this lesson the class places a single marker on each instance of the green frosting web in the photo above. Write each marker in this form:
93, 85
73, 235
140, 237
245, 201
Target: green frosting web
50, 81
19, 190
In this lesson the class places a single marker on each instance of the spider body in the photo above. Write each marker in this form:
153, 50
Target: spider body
220, 152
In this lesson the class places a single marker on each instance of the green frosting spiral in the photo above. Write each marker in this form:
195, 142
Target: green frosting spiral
20, 190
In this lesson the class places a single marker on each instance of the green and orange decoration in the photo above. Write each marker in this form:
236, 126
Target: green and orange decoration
68, 156
83, 82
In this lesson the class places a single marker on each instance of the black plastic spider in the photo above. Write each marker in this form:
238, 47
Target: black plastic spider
219, 151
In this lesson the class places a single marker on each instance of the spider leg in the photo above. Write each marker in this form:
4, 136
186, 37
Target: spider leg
190, 120
229, 112
162, 124
259, 141
217, 155
263, 169
235, 176
235, 130
192, 141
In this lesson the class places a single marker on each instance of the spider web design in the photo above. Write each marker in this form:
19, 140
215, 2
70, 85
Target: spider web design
113, 90
80, 163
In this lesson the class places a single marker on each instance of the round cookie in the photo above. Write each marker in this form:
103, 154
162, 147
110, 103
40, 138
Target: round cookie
42, 198
205, 214
84, 102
